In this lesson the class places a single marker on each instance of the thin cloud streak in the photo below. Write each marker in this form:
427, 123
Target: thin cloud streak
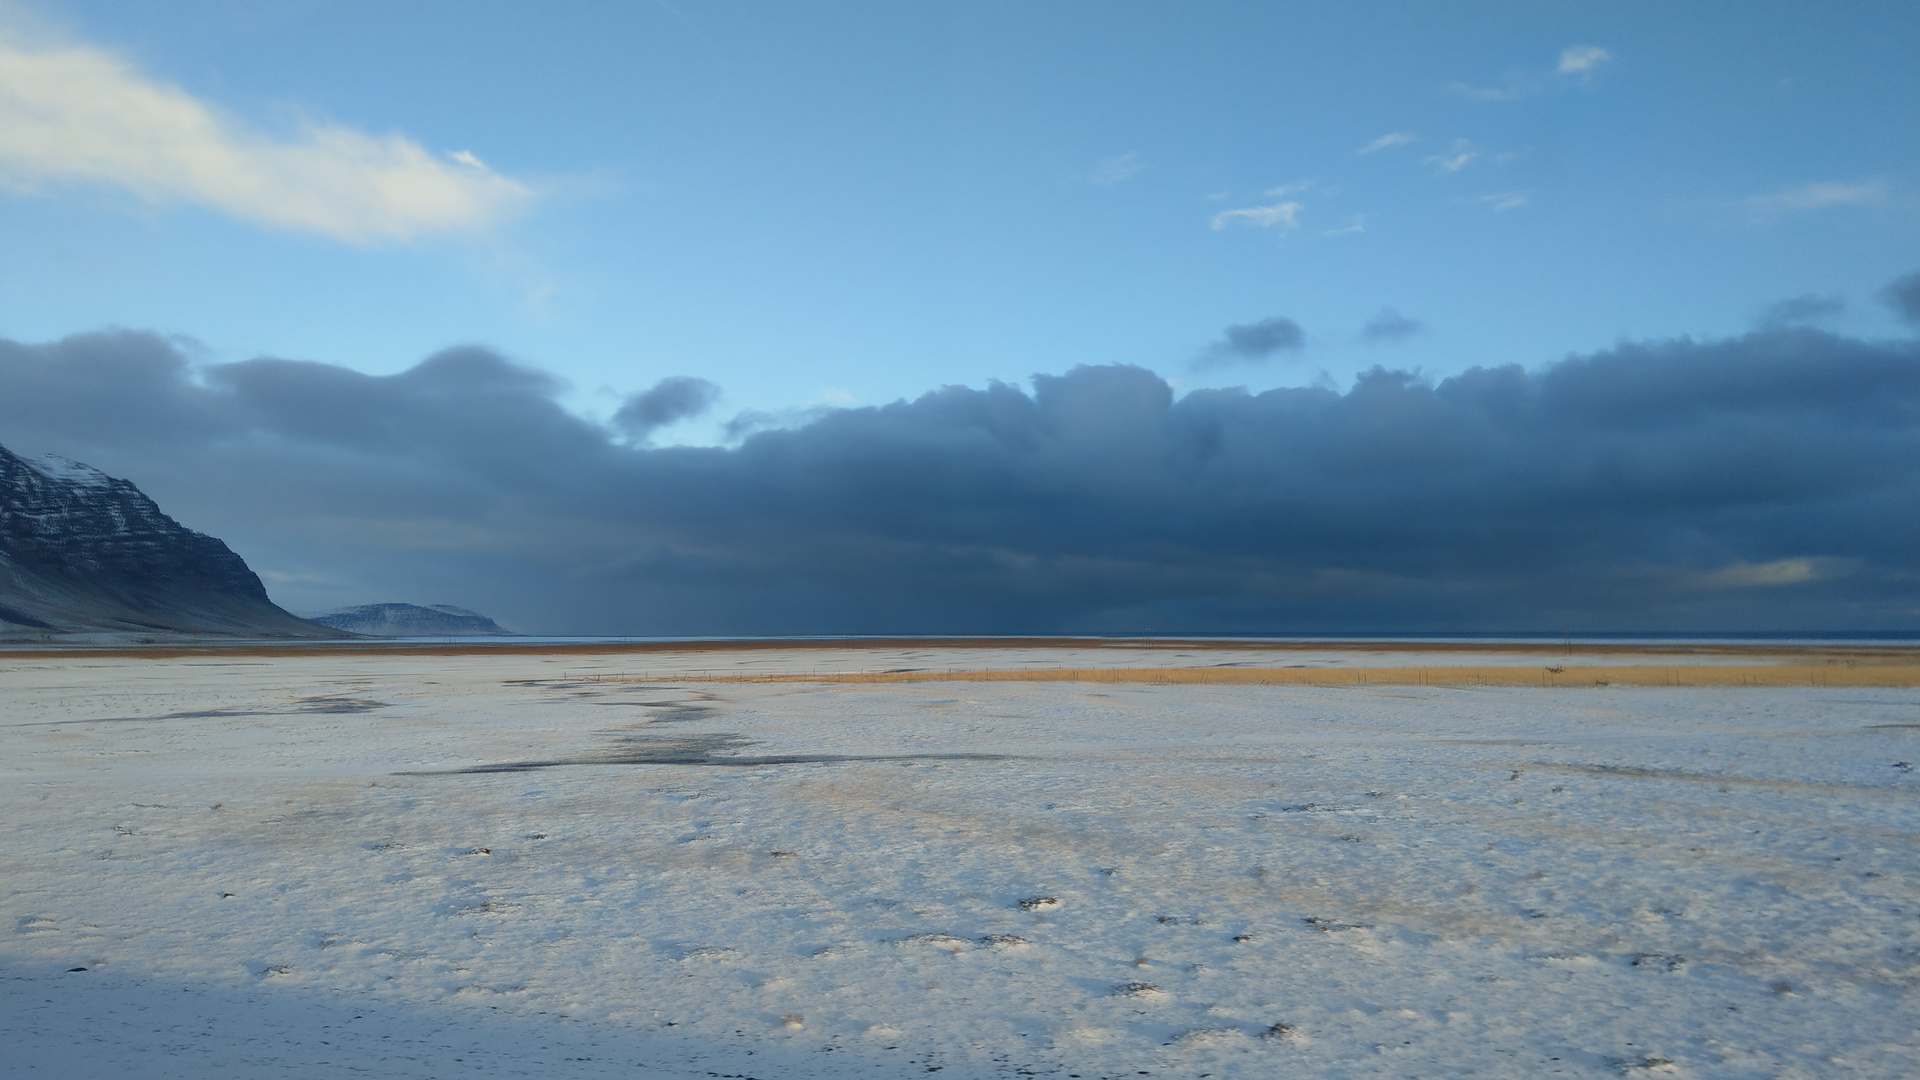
1455, 158
1582, 59
1815, 196
1281, 215
1518, 86
1575, 60
79, 115
1800, 310
1117, 169
1390, 139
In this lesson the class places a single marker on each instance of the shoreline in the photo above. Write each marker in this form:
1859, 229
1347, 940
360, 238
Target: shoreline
1837, 653
1084, 660
1892, 675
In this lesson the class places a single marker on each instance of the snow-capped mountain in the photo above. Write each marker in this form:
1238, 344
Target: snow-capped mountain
83, 552
411, 620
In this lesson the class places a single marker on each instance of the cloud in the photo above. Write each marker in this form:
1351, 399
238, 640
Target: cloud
1768, 575
78, 115
1455, 158
1577, 60
1504, 200
672, 399
1116, 169
1391, 138
749, 421
1904, 296
1254, 342
1582, 59
1760, 482
1351, 228
1390, 325
1517, 86
1796, 310
1817, 196
1281, 215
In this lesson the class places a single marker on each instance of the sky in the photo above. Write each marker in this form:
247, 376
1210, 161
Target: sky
681, 244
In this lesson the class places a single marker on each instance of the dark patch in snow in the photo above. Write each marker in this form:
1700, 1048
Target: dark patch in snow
195, 714
1665, 961
1328, 926
704, 750
333, 703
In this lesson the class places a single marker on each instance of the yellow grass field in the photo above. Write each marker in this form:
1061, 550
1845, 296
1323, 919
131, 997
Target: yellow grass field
1833, 674
1118, 660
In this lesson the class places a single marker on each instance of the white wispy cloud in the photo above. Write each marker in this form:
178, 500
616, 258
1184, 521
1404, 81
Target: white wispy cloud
1117, 168
75, 114
1455, 157
1505, 200
1517, 86
1390, 139
1283, 215
1582, 59
1353, 227
1816, 196
1579, 60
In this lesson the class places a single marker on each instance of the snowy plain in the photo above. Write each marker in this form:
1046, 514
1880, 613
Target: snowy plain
512, 864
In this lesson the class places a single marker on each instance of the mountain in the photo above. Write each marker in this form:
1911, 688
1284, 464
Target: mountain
82, 552
411, 620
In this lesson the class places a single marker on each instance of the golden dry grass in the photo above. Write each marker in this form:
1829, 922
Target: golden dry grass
1548, 651
1828, 674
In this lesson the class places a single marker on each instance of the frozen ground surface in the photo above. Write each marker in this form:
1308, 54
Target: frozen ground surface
419, 866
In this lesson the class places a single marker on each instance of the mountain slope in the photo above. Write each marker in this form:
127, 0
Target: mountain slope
411, 620
82, 552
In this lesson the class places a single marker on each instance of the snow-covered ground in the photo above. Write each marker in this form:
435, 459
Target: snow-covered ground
491, 865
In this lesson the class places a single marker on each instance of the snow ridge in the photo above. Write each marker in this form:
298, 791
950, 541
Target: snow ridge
411, 620
67, 470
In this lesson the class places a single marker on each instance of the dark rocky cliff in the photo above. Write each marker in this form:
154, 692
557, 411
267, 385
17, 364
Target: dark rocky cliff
82, 552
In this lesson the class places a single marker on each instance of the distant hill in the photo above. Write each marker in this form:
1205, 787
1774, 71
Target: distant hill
83, 552
411, 620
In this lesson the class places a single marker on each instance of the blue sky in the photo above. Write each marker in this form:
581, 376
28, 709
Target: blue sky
853, 203
713, 318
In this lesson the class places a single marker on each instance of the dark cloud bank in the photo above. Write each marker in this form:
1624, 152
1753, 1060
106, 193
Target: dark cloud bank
1766, 482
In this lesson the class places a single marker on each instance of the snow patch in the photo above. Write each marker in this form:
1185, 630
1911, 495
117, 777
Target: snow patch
68, 471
